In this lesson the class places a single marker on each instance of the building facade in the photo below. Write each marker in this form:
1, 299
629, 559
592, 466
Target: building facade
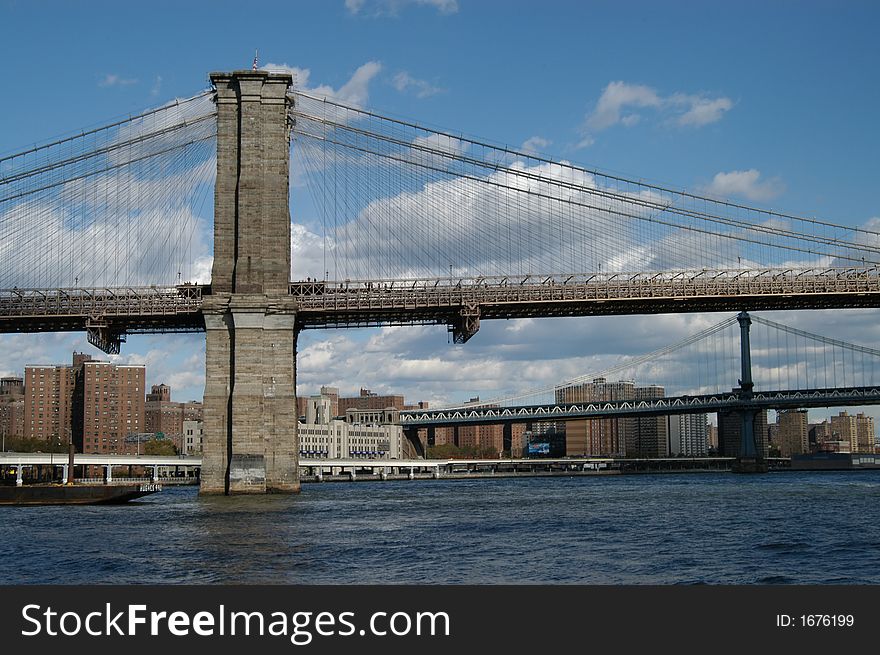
325, 437
688, 435
49, 401
11, 408
368, 400
192, 437
340, 440
648, 436
592, 437
845, 428
792, 435
164, 416
865, 435
111, 401
616, 437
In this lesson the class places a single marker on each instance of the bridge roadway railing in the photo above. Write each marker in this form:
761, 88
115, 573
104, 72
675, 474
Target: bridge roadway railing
436, 299
131, 308
441, 300
785, 399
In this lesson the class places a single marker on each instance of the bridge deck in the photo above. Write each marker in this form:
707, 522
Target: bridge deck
352, 303
698, 404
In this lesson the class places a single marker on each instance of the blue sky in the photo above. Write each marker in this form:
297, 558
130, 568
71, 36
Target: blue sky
773, 103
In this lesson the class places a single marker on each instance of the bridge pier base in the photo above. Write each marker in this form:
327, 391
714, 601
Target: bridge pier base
250, 401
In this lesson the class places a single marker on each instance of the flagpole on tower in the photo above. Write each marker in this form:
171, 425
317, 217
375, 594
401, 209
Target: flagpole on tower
256, 53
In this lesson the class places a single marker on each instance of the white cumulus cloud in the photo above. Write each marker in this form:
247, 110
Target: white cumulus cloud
112, 79
621, 103
747, 184
534, 145
406, 83
394, 7
356, 91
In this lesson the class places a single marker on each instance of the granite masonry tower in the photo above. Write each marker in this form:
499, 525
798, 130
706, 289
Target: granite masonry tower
250, 442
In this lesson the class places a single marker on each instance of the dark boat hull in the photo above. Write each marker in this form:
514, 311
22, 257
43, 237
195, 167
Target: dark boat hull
77, 494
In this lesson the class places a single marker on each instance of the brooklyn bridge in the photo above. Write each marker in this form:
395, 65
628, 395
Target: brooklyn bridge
100, 232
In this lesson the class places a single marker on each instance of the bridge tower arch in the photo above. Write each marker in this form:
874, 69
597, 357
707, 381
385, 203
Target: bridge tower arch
250, 442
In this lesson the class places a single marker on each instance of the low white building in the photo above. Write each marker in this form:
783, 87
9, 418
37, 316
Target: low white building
323, 437
341, 440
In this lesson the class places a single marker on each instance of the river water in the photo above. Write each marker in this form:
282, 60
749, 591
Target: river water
715, 528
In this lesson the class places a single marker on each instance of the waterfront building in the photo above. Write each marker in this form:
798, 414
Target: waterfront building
688, 435
166, 417
712, 436
94, 404
49, 400
845, 428
648, 436
323, 436
12, 408
616, 437
819, 434
108, 406
192, 437
792, 435
865, 435
606, 436
339, 439
372, 416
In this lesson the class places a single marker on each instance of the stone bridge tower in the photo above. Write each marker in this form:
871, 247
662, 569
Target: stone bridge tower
250, 443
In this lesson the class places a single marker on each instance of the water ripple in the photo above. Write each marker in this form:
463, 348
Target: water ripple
821, 528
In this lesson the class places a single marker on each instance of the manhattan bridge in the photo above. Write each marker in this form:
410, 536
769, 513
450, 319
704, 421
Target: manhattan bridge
111, 232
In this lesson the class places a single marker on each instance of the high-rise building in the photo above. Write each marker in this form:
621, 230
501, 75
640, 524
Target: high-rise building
166, 417
865, 433
688, 435
12, 408
845, 428
49, 400
633, 437
301, 404
159, 393
108, 406
819, 434
605, 436
94, 404
792, 435
12, 387
648, 435
712, 435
